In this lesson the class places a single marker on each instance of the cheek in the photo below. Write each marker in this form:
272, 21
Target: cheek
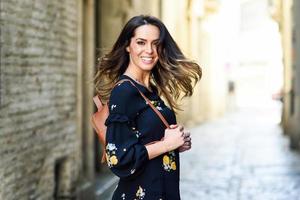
155, 51
136, 49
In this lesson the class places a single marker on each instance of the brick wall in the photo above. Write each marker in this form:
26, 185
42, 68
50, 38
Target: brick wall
38, 98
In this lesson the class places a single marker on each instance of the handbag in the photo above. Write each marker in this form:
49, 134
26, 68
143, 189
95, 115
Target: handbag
99, 117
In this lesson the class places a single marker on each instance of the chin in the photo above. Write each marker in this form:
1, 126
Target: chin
147, 67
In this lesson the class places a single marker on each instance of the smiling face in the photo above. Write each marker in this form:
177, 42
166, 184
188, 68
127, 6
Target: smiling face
143, 48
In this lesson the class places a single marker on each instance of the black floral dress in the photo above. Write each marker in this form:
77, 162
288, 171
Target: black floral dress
131, 125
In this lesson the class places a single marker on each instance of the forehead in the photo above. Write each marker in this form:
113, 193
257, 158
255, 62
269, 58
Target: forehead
148, 32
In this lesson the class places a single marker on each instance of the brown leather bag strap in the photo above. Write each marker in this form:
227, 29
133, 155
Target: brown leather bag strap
148, 102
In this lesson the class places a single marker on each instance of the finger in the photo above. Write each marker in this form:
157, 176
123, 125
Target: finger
173, 126
182, 134
181, 149
187, 143
184, 148
181, 128
187, 139
187, 133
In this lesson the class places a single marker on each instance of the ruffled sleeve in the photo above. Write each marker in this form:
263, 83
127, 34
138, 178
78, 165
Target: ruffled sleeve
126, 156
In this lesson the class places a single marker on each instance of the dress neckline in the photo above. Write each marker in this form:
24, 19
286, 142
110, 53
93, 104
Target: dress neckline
137, 83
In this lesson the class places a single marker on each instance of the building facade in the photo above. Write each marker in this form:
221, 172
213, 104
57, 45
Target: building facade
48, 52
40, 144
288, 17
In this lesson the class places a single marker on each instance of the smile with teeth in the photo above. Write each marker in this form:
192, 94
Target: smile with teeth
147, 59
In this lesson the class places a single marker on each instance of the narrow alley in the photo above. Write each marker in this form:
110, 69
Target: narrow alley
243, 155
243, 114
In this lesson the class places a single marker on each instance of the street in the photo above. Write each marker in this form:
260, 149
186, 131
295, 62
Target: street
242, 156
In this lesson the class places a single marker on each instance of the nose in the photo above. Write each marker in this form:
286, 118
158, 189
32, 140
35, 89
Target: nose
149, 48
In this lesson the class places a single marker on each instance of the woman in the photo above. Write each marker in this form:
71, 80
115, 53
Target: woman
139, 148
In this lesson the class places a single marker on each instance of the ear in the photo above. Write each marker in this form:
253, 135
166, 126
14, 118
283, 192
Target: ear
127, 49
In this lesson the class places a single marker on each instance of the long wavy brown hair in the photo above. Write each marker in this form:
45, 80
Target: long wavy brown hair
174, 75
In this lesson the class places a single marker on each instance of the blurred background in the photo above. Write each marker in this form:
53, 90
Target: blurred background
249, 51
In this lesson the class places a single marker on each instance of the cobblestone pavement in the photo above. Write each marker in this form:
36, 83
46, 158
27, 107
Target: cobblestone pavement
243, 156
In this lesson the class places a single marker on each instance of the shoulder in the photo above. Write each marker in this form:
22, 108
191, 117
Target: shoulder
125, 99
123, 91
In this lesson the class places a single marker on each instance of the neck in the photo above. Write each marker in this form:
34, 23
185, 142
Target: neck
140, 77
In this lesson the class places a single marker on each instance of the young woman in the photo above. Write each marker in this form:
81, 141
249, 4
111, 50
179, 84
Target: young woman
139, 148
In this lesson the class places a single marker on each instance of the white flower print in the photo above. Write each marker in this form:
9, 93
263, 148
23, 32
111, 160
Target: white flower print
157, 105
140, 193
111, 147
123, 196
137, 134
113, 107
159, 108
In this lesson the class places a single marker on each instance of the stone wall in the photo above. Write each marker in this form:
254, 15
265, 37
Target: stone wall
288, 14
38, 144
294, 94
194, 30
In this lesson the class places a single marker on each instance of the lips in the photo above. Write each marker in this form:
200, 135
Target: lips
147, 60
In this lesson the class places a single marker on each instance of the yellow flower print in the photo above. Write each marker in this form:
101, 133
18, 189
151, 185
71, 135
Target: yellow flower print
156, 104
113, 160
166, 160
173, 165
111, 157
169, 161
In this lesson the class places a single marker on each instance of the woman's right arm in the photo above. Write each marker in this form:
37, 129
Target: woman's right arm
173, 139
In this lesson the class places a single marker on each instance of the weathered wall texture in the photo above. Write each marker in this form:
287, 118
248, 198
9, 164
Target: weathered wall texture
115, 13
296, 113
189, 29
38, 98
290, 30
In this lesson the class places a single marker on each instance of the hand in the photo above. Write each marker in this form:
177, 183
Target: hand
187, 142
174, 137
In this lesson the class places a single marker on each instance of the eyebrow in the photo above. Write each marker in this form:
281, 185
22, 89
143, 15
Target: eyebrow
146, 40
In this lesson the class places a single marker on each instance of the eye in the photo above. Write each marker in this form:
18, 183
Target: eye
156, 43
140, 42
